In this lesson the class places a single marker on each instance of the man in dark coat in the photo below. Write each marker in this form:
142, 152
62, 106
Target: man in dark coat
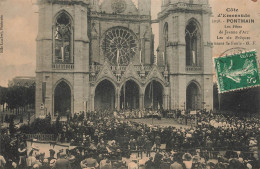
62, 162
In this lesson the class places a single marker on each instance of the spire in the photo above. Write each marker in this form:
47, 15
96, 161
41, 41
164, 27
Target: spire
144, 7
95, 5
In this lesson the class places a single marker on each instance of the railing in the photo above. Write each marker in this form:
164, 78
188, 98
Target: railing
138, 68
110, 15
193, 68
63, 66
41, 137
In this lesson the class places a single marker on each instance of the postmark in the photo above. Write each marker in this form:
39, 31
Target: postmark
237, 71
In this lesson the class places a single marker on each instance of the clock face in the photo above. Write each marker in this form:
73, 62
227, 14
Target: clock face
118, 6
119, 45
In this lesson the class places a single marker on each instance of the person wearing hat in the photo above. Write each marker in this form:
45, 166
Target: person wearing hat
52, 162
148, 147
140, 143
22, 152
196, 162
141, 164
30, 159
71, 158
133, 165
89, 162
121, 165
62, 162
157, 142
105, 164
177, 162
45, 164
157, 159
37, 161
149, 164
187, 160
52, 153
36, 166
2, 161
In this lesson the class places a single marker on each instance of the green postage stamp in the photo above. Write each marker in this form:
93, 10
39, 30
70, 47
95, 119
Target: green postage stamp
237, 71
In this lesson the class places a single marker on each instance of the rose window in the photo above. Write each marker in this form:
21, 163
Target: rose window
119, 46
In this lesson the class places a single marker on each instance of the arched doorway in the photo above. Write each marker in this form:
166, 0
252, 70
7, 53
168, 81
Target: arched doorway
154, 95
105, 96
129, 96
193, 97
62, 99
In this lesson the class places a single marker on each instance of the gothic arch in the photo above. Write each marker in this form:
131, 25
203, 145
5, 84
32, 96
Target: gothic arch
61, 12
193, 96
102, 79
165, 41
133, 79
157, 80
153, 95
63, 35
196, 82
165, 31
62, 80
193, 41
129, 94
62, 98
105, 94
192, 19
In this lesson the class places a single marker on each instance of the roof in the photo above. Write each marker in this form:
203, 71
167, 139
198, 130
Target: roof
25, 81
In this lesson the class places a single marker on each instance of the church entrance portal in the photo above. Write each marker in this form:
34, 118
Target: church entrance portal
129, 97
62, 99
105, 96
153, 95
193, 97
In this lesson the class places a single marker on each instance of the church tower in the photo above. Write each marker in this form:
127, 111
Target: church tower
62, 57
184, 27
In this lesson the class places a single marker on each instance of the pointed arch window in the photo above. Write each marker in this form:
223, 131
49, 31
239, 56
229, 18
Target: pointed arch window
165, 41
63, 38
193, 44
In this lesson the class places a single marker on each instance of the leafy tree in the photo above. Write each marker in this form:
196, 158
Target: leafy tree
3, 96
11, 126
215, 96
242, 102
19, 96
31, 95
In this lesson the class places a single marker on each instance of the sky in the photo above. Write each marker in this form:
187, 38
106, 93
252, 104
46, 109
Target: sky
20, 24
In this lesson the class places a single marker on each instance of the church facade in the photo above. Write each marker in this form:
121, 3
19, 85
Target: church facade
95, 55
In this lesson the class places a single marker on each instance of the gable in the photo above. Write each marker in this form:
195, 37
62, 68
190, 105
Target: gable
126, 7
155, 73
106, 72
130, 72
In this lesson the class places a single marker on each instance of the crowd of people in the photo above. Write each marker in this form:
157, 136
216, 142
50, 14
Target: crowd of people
109, 140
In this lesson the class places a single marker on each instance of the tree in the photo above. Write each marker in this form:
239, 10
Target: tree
3, 96
11, 126
242, 102
20, 96
215, 96
31, 95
